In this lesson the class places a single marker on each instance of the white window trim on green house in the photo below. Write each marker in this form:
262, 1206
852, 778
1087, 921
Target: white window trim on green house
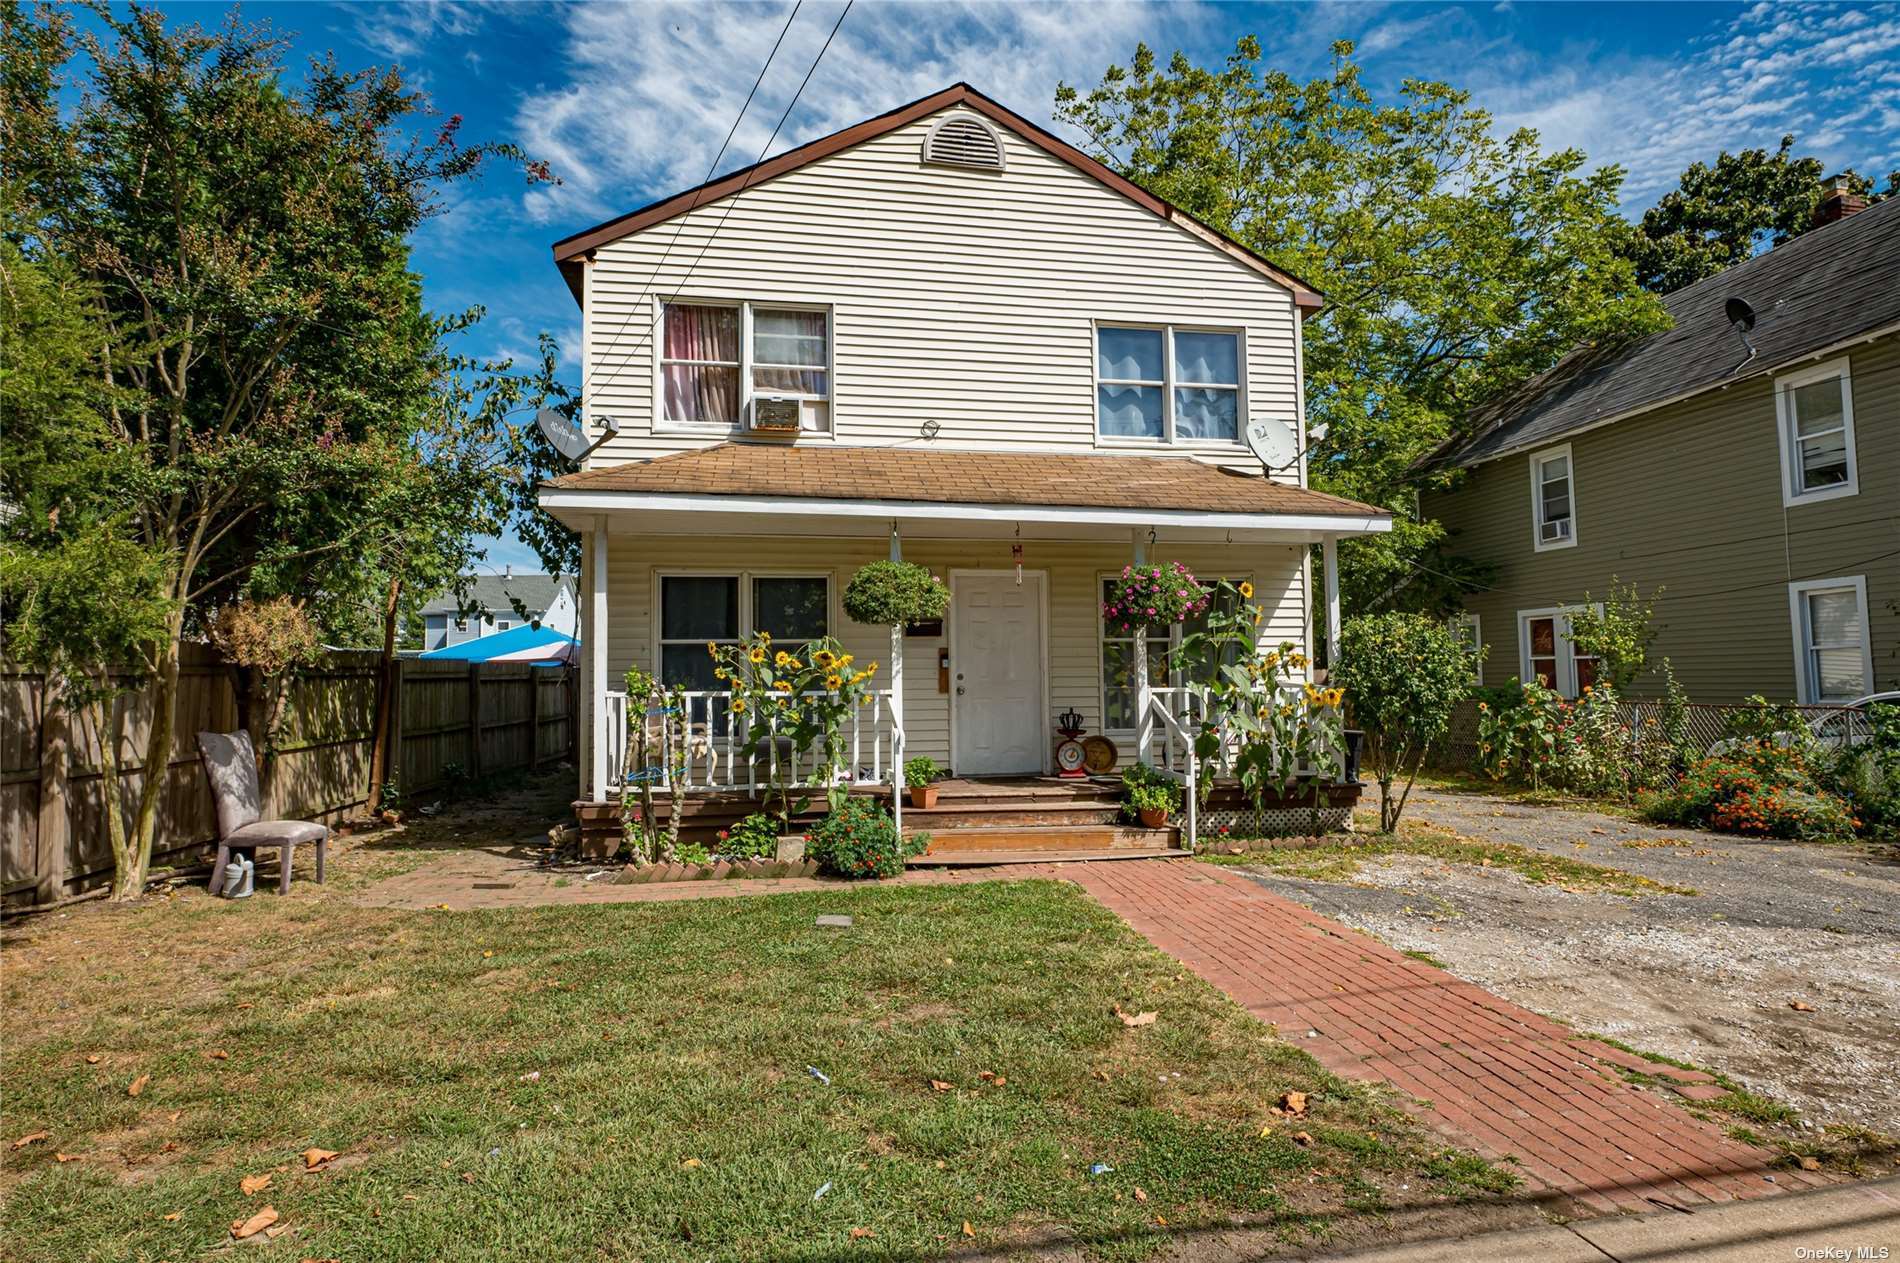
1539, 459
1808, 688
1564, 676
1787, 422
1470, 633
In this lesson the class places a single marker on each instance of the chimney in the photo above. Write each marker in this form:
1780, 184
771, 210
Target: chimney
1838, 201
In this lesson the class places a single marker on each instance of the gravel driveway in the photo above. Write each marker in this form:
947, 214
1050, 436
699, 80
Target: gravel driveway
1707, 979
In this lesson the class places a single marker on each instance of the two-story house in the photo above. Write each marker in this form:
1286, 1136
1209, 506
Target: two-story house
1746, 461
944, 335
544, 600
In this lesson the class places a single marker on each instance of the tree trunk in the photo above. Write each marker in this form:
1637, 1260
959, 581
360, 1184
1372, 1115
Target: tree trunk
135, 856
385, 699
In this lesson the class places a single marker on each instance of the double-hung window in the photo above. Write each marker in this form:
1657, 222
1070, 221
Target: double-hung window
1547, 653
1470, 634
1814, 412
1118, 659
1553, 499
1167, 385
716, 358
723, 609
1833, 650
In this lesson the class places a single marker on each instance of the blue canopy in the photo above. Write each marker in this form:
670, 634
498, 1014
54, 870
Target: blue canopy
517, 644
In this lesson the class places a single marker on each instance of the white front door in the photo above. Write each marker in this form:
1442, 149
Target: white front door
996, 674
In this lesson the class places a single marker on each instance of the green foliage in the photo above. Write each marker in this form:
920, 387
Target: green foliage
1456, 263
1147, 788
1403, 674
890, 593
791, 705
1758, 720
1155, 595
1619, 635
1581, 746
920, 771
754, 838
859, 839
1764, 790
1866, 774
1721, 214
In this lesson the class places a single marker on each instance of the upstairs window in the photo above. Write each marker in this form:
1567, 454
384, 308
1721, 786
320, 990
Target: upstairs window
1553, 499
1167, 385
1814, 410
714, 359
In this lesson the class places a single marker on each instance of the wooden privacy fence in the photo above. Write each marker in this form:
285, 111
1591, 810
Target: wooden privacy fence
454, 721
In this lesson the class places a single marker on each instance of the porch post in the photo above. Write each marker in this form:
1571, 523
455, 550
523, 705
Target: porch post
1329, 561
897, 704
597, 656
1144, 695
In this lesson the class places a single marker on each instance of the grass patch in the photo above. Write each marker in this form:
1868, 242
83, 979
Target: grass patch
630, 1081
1427, 958
1341, 862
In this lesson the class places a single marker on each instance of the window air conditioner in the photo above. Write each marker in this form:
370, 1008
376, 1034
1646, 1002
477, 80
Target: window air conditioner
1558, 530
776, 414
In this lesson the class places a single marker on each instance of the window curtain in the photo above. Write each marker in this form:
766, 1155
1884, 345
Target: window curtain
788, 351
701, 392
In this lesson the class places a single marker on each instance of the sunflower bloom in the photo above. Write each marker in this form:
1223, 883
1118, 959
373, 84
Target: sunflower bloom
738, 705
781, 658
1246, 591
832, 682
757, 656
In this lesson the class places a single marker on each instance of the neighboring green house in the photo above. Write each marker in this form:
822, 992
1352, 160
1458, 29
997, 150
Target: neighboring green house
1746, 460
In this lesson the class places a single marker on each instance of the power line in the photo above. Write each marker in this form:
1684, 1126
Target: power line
680, 227
744, 184
1663, 595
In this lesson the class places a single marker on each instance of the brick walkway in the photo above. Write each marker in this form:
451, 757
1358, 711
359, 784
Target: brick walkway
1496, 1078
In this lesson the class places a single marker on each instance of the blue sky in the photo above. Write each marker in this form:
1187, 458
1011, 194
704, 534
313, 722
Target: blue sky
629, 102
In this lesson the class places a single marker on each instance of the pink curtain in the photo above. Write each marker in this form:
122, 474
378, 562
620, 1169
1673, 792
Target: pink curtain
701, 392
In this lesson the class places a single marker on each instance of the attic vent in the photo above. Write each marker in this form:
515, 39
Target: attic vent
962, 141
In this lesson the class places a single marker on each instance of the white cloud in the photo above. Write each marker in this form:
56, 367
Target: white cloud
651, 90
404, 31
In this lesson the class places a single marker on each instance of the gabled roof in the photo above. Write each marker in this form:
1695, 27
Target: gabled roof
492, 592
1827, 287
902, 475
570, 250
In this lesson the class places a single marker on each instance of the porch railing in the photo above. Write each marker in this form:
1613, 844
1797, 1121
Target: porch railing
715, 758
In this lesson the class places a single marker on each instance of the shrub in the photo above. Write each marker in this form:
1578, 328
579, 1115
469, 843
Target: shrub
1402, 674
859, 839
1154, 596
920, 771
1618, 636
1542, 738
1761, 791
887, 593
754, 838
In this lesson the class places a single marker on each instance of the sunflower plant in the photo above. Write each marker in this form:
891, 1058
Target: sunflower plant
789, 705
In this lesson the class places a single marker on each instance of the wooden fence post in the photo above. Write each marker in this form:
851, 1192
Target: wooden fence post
475, 720
54, 822
398, 692
535, 681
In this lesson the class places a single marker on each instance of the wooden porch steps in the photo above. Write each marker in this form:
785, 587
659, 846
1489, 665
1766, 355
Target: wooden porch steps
989, 839
978, 859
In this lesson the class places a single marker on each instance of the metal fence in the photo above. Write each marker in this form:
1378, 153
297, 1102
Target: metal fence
1703, 726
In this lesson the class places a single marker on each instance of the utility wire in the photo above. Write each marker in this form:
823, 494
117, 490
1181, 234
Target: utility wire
744, 184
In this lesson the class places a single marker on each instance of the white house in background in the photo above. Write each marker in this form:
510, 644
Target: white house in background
947, 335
547, 601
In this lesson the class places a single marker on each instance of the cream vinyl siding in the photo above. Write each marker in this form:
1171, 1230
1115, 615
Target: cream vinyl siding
1074, 572
1689, 497
964, 297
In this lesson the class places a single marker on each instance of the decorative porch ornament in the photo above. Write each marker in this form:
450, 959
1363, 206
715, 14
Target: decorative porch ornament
1016, 555
1071, 758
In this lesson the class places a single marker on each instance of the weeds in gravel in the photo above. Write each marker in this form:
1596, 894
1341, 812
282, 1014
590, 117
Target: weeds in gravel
1340, 862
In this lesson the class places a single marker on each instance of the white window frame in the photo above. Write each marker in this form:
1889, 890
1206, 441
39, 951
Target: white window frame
1102, 638
1792, 493
1538, 460
1462, 621
663, 424
746, 612
1807, 688
1167, 384
1566, 681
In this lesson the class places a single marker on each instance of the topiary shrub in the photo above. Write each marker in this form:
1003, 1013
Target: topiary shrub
887, 593
859, 839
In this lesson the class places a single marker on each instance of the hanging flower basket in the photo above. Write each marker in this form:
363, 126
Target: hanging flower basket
886, 593
1153, 596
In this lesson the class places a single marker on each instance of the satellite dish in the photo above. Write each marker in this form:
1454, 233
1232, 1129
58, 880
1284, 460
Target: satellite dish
1739, 313
566, 435
1274, 441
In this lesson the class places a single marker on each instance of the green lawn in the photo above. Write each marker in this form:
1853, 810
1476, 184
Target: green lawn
673, 1116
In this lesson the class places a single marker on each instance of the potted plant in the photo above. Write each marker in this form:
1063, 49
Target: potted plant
1148, 796
918, 775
